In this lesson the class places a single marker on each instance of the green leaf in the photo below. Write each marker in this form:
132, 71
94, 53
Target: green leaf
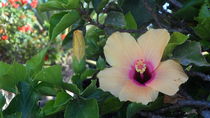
202, 29
190, 53
4, 68
54, 20
73, 4
90, 89
49, 108
78, 65
176, 39
203, 13
12, 75
24, 102
98, 5
87, 73
46, 89
115, 19
130, 21
190, 10
82, 109
2, 101
138, 10
36, 62
51, 75
134, 108
14, 115
111, 104
101, 64
17, 72
71, 87
50, 5
66, 21
61, 99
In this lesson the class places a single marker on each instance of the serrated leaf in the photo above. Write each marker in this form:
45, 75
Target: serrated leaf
138, 10
61, 99
130, 21
176, 39
115, 19
51, 75
2, 101
190, 53
66, 21
72, 88
82, 109
90, 89
202, 29
50, 5
133, 108
36, 62
98, 5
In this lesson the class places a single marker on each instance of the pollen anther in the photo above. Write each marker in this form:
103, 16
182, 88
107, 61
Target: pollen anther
140, 66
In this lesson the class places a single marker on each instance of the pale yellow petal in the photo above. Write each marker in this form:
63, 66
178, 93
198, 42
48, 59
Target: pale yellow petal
113, 79
153, 43
121, 49
136, 93
168, 77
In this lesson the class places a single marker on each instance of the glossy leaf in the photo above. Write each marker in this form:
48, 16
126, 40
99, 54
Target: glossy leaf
190, 53
82, 109
71, 87
90, 89
134, 108
176, 39
2, 101
130, 21
66, 21
51, 75
115, 19
61, 99
36, 62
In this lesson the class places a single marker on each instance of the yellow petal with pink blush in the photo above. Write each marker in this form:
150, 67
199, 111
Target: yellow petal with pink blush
168, 77
121, 49
139, 94
137, 75
153, 43
113, 79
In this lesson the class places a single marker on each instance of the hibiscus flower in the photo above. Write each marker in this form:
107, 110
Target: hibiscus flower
137, 73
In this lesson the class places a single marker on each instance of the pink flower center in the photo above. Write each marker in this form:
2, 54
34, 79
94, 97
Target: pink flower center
141, 72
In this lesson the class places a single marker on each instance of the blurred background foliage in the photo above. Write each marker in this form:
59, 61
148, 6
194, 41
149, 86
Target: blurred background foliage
26, 29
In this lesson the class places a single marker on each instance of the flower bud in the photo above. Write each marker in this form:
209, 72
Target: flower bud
78, 45
78, 52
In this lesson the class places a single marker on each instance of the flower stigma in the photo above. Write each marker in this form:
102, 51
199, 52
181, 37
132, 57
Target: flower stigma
140, 66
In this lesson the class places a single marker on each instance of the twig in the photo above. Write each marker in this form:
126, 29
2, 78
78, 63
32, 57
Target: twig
87, 18
176, 3
152, 11
199, 74
185, 103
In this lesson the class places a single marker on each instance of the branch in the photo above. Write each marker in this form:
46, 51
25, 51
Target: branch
185, 103
199, 74
87, 18
152, 11
176, 3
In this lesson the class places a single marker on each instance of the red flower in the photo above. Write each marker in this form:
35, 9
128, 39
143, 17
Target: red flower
34, 3
28, 28
24, 1
46, 58
63, 36
4, 4
4, 37
21, 29
25, 28
14, 3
